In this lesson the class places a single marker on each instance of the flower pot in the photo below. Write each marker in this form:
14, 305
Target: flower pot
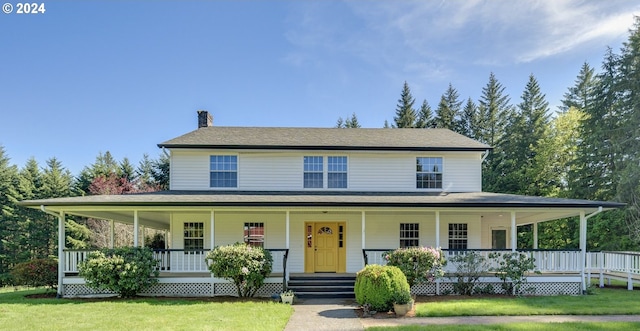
288, 299
402, 309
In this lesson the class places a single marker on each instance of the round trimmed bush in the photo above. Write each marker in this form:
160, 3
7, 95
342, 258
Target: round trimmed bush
377, 286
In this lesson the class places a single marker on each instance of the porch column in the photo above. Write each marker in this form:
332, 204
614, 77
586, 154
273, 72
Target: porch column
514, 232
61, 257
286, 243
212, 223
112, 233
364, 246
583, 248
136, 229
437, 228
535, 235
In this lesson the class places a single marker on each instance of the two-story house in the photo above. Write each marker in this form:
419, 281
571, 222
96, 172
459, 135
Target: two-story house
324, 201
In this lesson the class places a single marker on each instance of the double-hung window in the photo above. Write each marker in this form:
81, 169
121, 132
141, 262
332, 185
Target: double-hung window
458, 236
254, 234
409, 235
337, 172
313, 171
193, 236
224, 171
429, 172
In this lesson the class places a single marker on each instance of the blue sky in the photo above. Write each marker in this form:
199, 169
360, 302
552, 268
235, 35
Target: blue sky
95, 76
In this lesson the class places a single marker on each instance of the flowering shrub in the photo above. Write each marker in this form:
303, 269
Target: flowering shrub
126, 270
246, 266
419, 264
37, 272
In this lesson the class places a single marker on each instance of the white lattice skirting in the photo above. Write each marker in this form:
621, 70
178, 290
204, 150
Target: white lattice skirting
538, 288
204, 288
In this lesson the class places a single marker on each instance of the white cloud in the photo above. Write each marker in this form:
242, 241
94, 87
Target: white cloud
424, 33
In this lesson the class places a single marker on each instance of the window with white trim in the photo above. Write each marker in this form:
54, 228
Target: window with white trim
313, 172
193, 235
254, 234
223, 171
429, 172
458, 236
409, 235
337, 172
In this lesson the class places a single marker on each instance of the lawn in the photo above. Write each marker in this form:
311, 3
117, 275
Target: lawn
18, 312
569, 326
605, 301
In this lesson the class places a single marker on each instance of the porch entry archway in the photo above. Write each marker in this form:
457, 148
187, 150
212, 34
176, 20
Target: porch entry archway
325, 247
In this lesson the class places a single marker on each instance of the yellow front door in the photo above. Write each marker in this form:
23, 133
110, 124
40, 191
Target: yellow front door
326, 247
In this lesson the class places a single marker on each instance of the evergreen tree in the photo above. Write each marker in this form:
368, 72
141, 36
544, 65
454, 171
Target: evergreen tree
9, 230
468, 124
35, 241
352, 122
425, 116
525, 130
127, 171
580, 95
448, 111
386, 125
161, 170
493, 112
340, 123
405, 113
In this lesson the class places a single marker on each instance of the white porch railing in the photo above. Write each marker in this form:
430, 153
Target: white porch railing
620, 265
174, 260
545, 260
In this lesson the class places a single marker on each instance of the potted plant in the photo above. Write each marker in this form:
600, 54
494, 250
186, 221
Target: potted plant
287, 297
402, 302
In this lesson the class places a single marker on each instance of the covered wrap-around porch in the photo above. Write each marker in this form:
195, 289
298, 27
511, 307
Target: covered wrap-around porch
362, 227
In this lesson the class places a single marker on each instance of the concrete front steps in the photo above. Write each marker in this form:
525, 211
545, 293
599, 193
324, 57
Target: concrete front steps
322, 285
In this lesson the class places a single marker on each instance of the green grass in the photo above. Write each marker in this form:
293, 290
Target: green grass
568, 326
20, 313
603, 302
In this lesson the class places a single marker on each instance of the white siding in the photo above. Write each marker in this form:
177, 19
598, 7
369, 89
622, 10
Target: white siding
189, 170
463, 172
270, 171
392, 172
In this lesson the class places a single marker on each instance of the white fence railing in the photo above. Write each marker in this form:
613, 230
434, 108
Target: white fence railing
545, 260
174, 260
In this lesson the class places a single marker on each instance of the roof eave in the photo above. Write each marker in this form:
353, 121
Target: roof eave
330, 148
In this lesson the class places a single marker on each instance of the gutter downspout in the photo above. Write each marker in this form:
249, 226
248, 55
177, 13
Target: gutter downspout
61, 242
583, 244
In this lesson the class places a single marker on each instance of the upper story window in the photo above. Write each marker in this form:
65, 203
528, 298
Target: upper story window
429, 172
224, 171
313, 172
337, 172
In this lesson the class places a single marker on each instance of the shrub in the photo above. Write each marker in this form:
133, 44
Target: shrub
246, 266
419, 264
469, 268
376, 286
512, 270
37, 272
126, 270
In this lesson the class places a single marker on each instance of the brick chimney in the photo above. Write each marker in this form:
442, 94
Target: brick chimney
204, 119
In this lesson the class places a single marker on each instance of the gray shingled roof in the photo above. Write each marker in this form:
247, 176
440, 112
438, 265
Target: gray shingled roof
322, 199
325, 139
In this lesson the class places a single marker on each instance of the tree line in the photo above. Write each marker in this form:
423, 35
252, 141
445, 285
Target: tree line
27, 234
588, 149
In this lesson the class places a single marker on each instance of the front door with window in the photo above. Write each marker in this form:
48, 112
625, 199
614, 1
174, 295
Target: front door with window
325, 247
